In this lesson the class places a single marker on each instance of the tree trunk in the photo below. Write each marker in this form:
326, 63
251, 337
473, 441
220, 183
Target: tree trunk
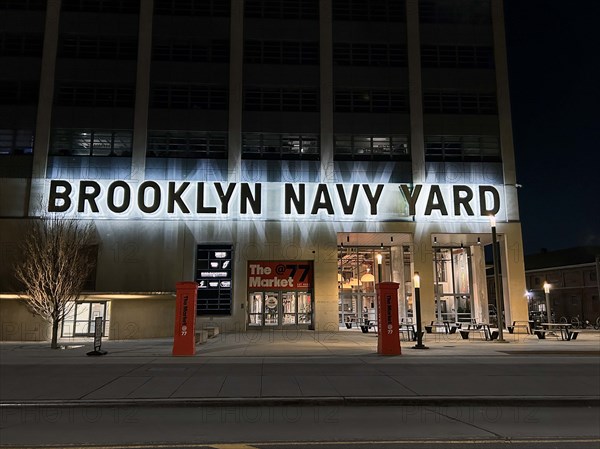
54, 344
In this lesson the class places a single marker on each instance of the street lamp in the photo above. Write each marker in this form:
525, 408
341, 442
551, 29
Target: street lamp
499, 304
379, 260
547, 292
417, 284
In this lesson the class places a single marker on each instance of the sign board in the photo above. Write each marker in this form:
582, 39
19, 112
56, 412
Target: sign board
98, 333
184, 335
280, 275
180, 200
214, 275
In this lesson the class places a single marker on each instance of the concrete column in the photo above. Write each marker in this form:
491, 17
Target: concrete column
44, 112
397, 262
326, 89
504, 115
415, 91
423, 263
236, 86
513, 272
142, 91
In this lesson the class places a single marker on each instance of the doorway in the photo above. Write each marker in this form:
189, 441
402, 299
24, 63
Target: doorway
453, 285
277, 309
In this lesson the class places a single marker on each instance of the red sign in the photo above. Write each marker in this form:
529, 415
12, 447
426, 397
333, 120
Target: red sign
388, 338
185, 319
283, 275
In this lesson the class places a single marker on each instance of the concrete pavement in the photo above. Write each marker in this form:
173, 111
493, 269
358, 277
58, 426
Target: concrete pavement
304, 367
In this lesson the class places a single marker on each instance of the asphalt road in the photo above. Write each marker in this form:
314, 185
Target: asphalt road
323, 427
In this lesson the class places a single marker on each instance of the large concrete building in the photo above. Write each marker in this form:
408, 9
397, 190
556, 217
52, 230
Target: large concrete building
286, 155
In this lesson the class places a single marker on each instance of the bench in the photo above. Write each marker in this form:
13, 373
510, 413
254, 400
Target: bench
541, 333
488, 334
573, 335
527, 325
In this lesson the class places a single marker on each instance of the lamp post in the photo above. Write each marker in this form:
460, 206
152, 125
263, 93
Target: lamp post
499, 302
379, 260
547, 292
417, 284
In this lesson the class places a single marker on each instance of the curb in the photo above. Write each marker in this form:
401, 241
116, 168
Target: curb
442, 401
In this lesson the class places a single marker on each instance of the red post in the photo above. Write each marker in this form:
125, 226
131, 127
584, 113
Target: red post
388, 338
185, 319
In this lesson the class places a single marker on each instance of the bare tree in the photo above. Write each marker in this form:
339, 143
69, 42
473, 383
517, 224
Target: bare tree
56, 263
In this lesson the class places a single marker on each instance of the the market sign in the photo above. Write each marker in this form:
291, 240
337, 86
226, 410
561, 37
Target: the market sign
278, 201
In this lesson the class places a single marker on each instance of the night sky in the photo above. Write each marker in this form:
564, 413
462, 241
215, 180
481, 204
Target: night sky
554, 68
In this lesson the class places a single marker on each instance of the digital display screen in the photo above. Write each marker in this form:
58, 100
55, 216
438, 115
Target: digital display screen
214, 275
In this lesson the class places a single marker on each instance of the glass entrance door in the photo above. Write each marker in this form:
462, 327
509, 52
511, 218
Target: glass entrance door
453, 285
277, 309
85, 318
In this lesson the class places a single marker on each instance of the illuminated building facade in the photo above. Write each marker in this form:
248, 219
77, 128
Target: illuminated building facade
286, 155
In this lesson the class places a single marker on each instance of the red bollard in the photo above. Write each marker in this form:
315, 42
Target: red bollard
388, 338
185, 319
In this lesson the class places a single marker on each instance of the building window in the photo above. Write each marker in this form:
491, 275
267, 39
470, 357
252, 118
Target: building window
444, 102
452, 11
16, 141
462, 148
206, 8
369, 11
361, 147
105, 6
190, 50
182, 96
371, 55
457, 56
95, 95
21, 44
283, 99
280, 146
90, 47
187, 144
19, 92
91, 142
282, 9
280, 52
23, 4
368, 100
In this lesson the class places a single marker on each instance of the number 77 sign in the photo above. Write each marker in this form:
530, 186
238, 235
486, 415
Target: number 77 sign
280, 275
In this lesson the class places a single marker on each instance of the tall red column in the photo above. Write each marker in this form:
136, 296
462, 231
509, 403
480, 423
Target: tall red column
388, 338
185, 319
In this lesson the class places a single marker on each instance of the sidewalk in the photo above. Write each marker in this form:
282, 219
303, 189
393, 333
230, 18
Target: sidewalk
304, 367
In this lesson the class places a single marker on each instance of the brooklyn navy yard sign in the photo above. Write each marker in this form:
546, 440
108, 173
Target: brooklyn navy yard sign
208, 200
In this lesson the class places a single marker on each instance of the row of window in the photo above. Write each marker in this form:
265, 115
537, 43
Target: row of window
23, 4
214, 145
281, 52
16, 141
462, 56
371, 55
104, 6
21, 44
188, 97
206, 8
362, 147
189, 50
370, 100
187, 144
92, 47
280, 146
282, 99
255, 51
282, 9
19, 92
462, 148
371, 11
443, 102
255, 99
430, 11
95, 95
90, 142
455, 11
